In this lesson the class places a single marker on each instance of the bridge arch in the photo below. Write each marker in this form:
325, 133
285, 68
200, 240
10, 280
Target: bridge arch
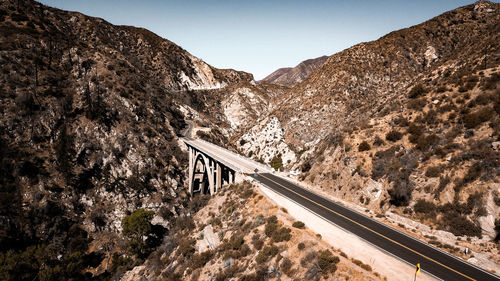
206, 174
203, 169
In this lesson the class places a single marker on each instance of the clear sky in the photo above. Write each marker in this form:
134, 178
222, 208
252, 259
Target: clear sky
261, 36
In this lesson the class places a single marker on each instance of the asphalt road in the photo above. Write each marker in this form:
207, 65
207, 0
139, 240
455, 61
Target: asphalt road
411, 250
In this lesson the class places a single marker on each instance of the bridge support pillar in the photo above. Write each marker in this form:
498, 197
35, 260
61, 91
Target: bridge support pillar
232, 176
191, 169
211, 175
218, 177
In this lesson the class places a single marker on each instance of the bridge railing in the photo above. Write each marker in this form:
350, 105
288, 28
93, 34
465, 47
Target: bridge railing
262, 166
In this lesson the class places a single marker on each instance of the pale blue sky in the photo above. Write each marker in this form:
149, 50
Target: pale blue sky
261, 36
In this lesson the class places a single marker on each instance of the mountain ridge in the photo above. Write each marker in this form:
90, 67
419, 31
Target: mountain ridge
290, 76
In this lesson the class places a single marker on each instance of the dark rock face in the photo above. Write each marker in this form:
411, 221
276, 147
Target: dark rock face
291, 76
89, 117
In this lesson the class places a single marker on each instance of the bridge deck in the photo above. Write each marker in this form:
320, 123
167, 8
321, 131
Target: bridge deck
230, 159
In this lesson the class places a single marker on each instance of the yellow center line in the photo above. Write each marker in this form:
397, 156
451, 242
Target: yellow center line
367, 228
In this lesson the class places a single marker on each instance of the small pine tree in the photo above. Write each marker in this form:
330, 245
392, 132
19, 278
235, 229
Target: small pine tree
136, 226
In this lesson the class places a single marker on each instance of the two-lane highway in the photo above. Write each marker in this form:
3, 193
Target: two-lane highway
411, 250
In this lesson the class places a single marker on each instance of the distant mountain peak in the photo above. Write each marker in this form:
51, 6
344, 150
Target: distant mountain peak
290, 76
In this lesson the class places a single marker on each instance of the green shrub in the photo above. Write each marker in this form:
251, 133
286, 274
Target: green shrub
424, 207
460, 225
327, 261
276, 162
266, 253
414, 129
270, 251
186, 248
362, 265
393, 136
199, 260
272, 219
138, 223
270, 229
472, 120
364, 146
236, 241
286, 266
258, 243
298, 224
301, 246
261, 258
137, 227
283, 234
417, 91
426, 142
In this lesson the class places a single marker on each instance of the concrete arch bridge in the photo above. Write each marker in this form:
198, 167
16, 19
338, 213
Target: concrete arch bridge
211, 166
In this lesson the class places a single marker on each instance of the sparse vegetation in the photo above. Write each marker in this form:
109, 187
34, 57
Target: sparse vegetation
276, 162
364, 146
327, 261
393, 136
424, 207
298, 224
417, 91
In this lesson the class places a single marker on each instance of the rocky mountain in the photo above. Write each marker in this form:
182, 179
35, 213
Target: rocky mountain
291, 76
405, 124
92, 175
361, 80
89, 117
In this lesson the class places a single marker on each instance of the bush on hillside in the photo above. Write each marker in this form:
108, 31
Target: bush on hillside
460, 225
327, 261
276, 162
364, 146
298, 224
393, 136
417, 91
424, 207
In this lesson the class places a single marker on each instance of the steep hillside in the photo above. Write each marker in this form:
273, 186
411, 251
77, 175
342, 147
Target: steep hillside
407, 124
291, 76
357, 83
89, 117
242, 235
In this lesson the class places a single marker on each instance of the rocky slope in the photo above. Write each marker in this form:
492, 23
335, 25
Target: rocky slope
358, 82
242, 235
291, 76
89, 117
407, 123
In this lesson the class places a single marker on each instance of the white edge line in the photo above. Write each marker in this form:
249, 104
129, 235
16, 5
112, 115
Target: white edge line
332, 223
388, 226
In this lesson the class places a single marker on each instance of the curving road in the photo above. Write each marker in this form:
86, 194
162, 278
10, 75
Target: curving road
432, 260
435, 262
